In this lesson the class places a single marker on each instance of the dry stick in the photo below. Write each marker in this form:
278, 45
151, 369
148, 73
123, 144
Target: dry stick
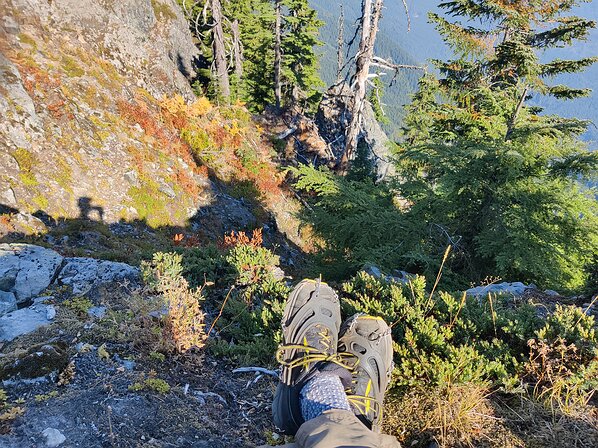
221, 309
461, 305
446, 254
588, 308
492, 311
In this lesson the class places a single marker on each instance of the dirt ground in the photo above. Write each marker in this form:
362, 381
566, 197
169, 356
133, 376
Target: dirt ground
207, 404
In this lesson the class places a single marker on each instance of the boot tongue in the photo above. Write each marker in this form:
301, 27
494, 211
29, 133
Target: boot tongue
320, 338
335, 370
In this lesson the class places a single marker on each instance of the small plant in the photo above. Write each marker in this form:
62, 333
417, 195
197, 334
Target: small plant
67, 375
78, 304
157, 356
157, 385
241, 239
185, 319
8, 413
45, 397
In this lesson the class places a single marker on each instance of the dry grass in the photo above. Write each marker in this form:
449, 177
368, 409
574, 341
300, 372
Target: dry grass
466, 416
457, 415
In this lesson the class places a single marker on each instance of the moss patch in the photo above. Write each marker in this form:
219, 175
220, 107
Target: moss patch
27, 162
163, 11
71, 68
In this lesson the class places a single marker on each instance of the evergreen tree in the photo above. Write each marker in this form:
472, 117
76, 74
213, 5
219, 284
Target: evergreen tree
499, 179
253, 21
300, 61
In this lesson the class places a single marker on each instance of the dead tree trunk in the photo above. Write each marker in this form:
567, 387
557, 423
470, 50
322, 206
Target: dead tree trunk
237, 50
340, 44
371, 12
278, 56
220, 65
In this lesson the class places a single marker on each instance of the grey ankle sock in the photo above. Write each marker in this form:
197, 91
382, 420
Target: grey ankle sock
323, 392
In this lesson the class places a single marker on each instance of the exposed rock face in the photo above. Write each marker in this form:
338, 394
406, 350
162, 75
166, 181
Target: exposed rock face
334, 117
26, 270
83, 274
25, 320
80, 132
514, 289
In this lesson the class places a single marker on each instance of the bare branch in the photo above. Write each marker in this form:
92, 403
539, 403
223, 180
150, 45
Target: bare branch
408, 16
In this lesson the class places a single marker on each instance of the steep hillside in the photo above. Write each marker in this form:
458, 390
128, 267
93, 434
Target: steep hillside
98, 120
76, 78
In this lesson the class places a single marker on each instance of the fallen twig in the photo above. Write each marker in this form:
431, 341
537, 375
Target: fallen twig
202, 395
256, 370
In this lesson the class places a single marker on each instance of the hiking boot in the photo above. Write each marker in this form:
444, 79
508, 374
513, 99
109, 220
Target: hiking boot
369, 340
310, 327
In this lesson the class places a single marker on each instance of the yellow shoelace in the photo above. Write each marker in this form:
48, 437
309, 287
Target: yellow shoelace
311, 355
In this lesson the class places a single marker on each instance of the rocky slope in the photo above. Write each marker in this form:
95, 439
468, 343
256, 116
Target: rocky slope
80, 130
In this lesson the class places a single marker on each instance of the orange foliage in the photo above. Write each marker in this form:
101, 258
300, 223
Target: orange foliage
149, 120
57, 109
186, 182
180, 239
241, 239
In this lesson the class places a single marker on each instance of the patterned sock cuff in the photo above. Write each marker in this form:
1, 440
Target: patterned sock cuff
321, 393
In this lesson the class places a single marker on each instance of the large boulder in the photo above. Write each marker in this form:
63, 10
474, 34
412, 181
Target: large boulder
8, 302
26, 270
84, 274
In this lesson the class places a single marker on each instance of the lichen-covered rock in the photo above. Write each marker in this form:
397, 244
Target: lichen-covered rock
38, 361
81, 83
26, 270
25, 320
83, 274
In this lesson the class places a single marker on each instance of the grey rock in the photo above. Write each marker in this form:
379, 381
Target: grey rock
10, 25
8, 197
28, 224
83, 274
552, 293
26, 270
8, 302
50, 312
398, 277
53, 437
24, 321
97, 311
167, 190
372, 270
278, 273
131, 177
516, 289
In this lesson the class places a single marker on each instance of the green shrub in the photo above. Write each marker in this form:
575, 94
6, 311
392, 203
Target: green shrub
204, 264
443, 339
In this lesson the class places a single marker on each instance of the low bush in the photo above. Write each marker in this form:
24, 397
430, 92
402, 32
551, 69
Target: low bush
184, 324
445, 345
